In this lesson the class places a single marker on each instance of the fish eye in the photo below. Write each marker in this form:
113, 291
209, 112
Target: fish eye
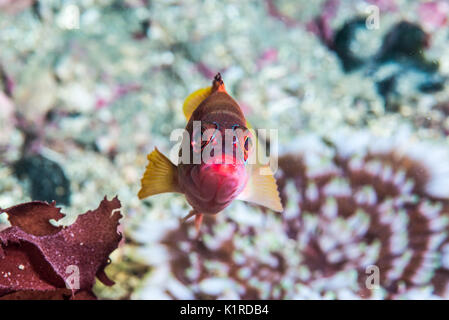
196, 140
247, 147
198, 136
212, 137
234, 138
248, 143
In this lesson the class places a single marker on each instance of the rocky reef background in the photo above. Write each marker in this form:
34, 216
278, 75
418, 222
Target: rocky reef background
89, 87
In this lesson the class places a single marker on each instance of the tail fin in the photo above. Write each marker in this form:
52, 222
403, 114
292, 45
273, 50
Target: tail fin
160, 176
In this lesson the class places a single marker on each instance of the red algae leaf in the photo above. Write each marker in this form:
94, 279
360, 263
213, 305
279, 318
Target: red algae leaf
36, 259
57, 294
83, 295
24, 268
33, 217
91, 239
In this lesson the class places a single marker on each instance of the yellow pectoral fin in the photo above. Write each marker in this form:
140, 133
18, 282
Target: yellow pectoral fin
248, 125
194, 99
160, 176
262, 189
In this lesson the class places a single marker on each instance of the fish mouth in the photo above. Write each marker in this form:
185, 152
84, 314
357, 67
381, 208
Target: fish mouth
225, 160
219, 182
225, 167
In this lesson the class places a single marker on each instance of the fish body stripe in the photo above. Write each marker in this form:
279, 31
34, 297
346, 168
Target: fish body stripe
219, 107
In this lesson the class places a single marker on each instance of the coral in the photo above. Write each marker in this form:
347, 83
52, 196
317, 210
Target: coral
435, 118
352, 202
381, 202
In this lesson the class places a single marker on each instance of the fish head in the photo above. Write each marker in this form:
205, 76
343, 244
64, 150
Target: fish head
228, 141
224, 148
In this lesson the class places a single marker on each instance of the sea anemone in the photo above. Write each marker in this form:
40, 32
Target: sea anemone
357, 206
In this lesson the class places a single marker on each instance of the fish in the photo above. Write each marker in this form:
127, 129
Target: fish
212, 183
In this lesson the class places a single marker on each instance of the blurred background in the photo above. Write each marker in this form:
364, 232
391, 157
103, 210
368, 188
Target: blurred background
357, 90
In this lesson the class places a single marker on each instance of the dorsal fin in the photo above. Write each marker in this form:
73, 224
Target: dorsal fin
195, 98
193, 101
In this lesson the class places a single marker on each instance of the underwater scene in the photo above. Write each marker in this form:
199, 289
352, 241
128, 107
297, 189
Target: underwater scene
342, 104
